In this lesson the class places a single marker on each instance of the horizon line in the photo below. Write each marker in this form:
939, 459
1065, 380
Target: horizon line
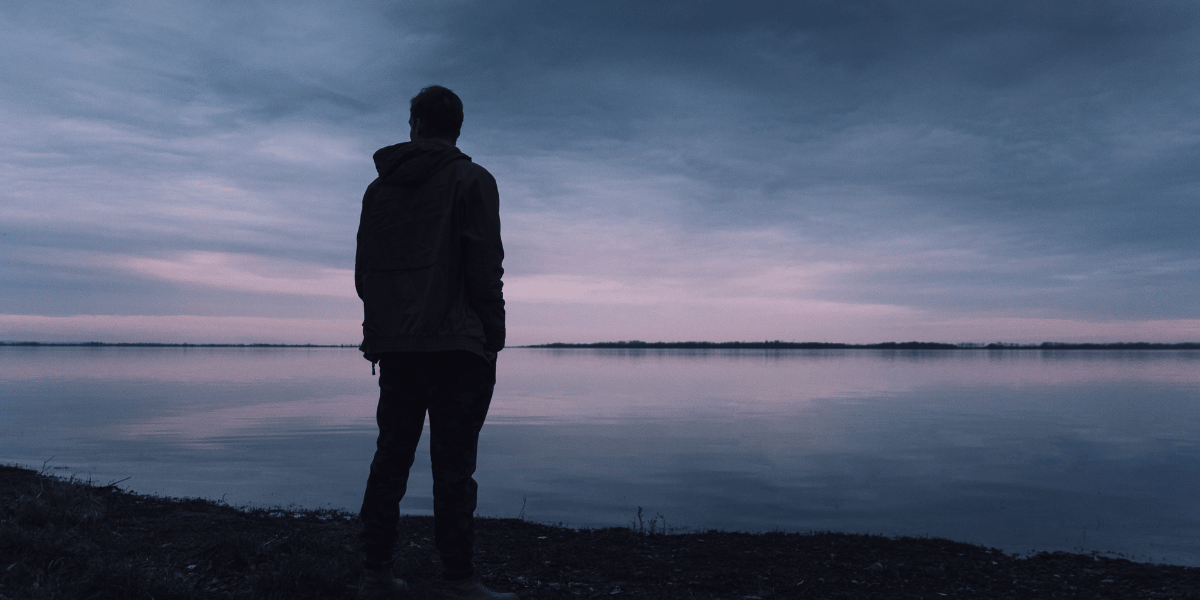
913, 345
179, 344
689, 345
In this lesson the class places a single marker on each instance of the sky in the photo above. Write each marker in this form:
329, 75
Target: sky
841, 171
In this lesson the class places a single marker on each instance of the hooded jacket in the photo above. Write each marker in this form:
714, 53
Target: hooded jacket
429, 257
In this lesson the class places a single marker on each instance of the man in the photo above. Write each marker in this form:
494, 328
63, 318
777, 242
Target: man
428, 272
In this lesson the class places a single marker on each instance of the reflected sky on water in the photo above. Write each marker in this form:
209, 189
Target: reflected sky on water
1021, 450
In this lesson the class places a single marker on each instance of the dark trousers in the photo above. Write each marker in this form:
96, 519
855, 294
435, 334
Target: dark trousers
456, 389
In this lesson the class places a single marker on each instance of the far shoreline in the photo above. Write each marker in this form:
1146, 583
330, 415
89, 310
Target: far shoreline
168, 345
779, 345
640, 345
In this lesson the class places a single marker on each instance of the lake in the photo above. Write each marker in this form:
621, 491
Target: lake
1017, 449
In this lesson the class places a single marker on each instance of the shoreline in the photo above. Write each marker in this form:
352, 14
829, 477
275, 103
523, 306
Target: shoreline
163, 345
778, 345
68, 538
639, 345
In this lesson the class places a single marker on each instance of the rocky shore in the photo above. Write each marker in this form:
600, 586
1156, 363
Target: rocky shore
63, 538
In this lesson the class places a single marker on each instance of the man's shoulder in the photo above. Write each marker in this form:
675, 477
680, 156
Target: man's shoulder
468, 170
470, 167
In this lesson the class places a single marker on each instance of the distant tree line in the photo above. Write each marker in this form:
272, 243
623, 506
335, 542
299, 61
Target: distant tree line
780, 345
638, 344
184, 345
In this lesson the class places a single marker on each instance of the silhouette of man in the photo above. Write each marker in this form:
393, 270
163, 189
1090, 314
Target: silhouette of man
428, 272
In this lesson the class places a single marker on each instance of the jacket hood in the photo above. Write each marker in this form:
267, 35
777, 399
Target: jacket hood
411, 163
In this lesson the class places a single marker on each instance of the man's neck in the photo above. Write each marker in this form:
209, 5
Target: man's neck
436, 139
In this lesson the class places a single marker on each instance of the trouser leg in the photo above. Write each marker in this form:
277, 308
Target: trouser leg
400, 416
455, 419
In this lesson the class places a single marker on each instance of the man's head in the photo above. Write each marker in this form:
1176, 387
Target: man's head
435, 112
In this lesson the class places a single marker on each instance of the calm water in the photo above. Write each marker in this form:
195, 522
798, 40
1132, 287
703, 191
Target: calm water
1020, 450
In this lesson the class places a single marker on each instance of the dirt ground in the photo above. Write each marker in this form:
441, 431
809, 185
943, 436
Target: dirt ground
63, 538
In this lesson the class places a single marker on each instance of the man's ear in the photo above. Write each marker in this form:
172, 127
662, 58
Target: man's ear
414, 129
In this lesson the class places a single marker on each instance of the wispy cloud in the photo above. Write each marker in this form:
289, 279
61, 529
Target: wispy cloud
680, 168
246, 272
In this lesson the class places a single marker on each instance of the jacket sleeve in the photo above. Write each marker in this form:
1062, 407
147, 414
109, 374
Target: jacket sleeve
483, 255
359, 259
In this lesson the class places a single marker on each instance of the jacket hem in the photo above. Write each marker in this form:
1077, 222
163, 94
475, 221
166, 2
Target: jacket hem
371, 349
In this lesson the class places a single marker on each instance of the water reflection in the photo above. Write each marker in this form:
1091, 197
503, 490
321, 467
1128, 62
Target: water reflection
1016, 449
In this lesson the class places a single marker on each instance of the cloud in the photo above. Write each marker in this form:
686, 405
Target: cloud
1015, 161
248, 273
179, 329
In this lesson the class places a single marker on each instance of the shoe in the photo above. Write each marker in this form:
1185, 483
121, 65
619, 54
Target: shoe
380, 585
471, 589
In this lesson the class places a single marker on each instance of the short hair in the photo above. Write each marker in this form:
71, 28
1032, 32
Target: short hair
440, 111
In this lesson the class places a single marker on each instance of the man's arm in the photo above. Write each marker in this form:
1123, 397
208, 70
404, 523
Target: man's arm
483, 255
358, 251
